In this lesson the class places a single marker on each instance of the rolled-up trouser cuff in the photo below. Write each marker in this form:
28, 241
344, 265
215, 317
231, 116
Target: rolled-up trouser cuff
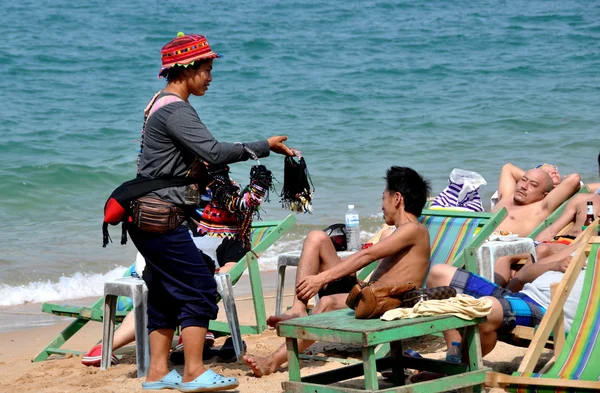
199, 322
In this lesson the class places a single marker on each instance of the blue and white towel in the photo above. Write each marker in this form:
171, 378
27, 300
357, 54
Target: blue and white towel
462, 191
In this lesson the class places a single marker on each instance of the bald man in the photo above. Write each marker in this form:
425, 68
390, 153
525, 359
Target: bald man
533, 198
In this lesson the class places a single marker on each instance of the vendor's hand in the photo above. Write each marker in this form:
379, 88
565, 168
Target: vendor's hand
276, 145
308, 287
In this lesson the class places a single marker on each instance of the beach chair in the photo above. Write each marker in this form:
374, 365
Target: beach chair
455, 236
577, 358
264, 234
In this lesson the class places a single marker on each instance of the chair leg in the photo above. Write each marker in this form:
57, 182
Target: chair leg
142, 346
280, 283
226, 291
110, 308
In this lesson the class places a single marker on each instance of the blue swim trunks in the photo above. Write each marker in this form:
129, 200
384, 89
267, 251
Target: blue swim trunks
518, 308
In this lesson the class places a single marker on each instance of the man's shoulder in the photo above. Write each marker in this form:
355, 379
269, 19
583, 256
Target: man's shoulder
412, 226
413, 230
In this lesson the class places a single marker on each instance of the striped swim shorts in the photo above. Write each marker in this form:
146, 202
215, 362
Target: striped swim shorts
518, 308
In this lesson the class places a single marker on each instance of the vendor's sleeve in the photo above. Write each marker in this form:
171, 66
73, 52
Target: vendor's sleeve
186, 129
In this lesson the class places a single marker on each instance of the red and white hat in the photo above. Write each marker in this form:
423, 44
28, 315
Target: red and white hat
184, 50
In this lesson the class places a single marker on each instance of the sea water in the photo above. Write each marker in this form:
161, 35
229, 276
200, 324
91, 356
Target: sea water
357, 86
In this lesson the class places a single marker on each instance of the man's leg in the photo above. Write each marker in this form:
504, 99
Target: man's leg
439, 276
125, 334
547, 249
502, 267
488, 329
318, 254
269, 364
471, 284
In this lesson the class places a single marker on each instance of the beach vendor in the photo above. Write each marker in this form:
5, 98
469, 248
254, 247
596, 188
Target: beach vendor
175, 143
403, 255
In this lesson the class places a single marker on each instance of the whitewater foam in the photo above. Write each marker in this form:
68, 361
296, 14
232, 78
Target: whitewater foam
77, 286
83, 284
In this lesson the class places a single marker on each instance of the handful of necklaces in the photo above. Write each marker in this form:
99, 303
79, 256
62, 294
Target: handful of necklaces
231, 208
297, 192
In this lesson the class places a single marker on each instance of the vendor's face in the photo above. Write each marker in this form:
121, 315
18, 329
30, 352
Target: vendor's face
200, 78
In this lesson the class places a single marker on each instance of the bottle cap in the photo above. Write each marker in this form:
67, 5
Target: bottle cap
350, 206
455, 344
413, 353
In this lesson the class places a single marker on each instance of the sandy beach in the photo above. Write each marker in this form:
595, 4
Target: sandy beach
18, 374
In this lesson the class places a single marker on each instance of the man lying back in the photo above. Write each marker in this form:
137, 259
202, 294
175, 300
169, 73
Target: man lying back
532, 199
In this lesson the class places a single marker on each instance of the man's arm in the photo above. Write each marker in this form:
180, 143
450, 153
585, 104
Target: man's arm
557, 262
403, 237
569, 186
593, 186
509, 176
567, 216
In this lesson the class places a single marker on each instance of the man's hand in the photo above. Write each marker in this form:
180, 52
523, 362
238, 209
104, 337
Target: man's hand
308, 287
276, 145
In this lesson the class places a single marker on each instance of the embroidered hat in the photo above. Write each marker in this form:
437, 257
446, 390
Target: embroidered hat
184, 50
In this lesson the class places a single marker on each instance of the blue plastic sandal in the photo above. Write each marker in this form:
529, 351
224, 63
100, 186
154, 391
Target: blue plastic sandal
170, 381
209, 381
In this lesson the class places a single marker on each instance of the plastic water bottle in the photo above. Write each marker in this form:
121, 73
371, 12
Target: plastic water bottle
352, 229
454, 354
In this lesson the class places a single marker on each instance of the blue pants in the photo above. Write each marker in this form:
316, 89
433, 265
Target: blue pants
181, 289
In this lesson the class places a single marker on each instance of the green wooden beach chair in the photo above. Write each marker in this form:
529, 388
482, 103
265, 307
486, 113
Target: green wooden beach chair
577, 364
264, 234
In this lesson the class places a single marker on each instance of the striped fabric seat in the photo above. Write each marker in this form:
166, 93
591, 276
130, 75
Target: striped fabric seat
448, 236
577, 367
258, 234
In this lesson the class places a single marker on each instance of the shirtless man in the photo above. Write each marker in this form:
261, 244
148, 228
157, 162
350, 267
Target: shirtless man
403, 255
575, 212
532, 199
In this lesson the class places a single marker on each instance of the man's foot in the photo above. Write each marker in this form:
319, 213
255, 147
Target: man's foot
259, 366
289, 314
94, 357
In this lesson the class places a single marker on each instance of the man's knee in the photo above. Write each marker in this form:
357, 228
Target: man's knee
316, 236
494, 318
440, 275
542, 251
330, 303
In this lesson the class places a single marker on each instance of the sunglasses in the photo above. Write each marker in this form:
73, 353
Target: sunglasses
550, 165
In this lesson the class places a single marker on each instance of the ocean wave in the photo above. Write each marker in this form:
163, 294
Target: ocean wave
85, 284
76, 286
